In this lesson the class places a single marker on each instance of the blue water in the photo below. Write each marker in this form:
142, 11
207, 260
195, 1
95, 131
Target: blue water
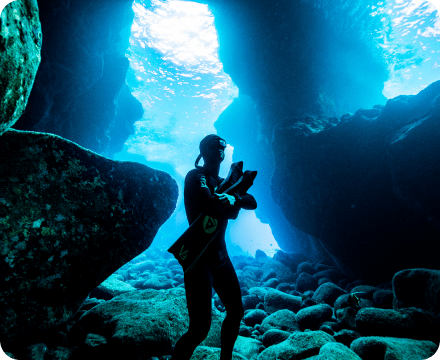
176, 74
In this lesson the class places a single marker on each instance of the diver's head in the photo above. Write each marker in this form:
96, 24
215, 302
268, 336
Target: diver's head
212, 149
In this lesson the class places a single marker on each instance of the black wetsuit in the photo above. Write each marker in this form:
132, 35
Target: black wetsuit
213, 270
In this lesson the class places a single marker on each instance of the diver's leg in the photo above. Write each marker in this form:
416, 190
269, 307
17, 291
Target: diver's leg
226, 285
198, 288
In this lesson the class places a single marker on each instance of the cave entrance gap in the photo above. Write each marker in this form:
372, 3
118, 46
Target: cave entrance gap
176, 74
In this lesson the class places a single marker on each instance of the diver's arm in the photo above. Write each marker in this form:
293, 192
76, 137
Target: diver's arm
202, 194
247, 201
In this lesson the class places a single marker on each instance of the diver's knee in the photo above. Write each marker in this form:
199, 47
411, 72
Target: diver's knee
237, 312
201, 335
241, 312
199, 332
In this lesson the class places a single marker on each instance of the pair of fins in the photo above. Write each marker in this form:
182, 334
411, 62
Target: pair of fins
191, 245
238, 182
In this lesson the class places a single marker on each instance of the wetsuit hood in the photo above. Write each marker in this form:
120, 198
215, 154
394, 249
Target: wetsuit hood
209, 142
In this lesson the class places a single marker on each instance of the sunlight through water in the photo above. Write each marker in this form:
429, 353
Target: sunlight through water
413, 47
176, 74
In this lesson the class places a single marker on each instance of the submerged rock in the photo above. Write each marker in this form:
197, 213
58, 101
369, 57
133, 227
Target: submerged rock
383, 299
291, 260
274, 336
247, 347
110, 288
20, 47
254, 317
346, 337
328, 293
299, 345
312, 316
410, 323
212, 353
282, 320
366, 188
418, 288
69, 218
306, 282
145, 323
276, 300
336, 351
388, 348
157, 282
278, 270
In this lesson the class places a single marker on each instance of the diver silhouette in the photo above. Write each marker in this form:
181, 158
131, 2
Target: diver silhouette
214, 269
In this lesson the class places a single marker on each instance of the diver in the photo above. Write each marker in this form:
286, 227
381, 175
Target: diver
214, 269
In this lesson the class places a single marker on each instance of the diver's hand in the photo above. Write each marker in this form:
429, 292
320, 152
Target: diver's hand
225, 201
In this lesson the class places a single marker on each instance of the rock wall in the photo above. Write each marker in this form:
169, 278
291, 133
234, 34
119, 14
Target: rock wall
20, 47
293, 57
366, 185
68, 217
79, 87
257, 155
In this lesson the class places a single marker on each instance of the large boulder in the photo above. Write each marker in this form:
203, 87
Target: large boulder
328, 293
20, 47
158, 282
291, 260
254, 317
282, 272
259, 292
312, 316
371, 177
418, 288
276, 300
336, 351
383, 299
247, 347
212, 353
410, 323
69, 218
299, 345
284, 320
389, 348
306, 282
145, 323
274, 336
110, 288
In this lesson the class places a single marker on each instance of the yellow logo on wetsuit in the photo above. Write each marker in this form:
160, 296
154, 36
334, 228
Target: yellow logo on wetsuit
209, 224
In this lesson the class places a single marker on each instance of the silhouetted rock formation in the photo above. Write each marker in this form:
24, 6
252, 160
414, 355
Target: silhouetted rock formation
367, 185
77, 90
293, 57
69, 218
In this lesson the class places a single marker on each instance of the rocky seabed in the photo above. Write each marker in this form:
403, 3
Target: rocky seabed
294, 309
